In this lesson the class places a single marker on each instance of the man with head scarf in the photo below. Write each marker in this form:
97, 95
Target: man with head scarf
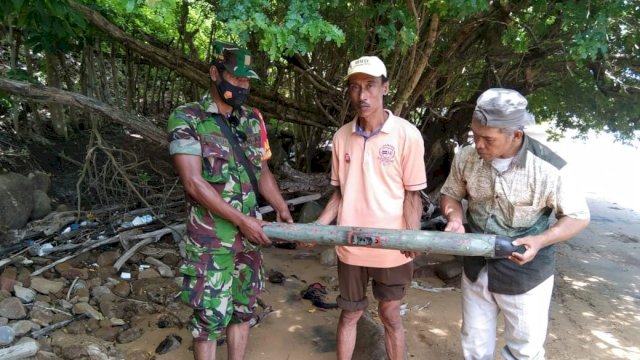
512, 184
222, 268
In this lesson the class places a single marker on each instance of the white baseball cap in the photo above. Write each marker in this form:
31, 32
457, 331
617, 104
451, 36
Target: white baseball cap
370, 65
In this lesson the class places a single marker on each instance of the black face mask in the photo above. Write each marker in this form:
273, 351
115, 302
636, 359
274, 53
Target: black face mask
232, 95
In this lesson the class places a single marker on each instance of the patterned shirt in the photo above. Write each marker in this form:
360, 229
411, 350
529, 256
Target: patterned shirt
193, 130
514, 203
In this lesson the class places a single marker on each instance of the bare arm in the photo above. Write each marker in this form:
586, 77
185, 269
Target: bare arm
189, 168
452, 211
412, 212
271, 192
330, 211
564, 229
412, 209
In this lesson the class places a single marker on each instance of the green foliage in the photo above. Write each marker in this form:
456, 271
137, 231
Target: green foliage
47, 25
396, 31
459, 9
283, 29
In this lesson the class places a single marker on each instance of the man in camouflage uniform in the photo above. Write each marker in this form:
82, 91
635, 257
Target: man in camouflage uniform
222, 269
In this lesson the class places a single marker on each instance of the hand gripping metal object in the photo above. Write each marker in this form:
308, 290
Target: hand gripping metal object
487, 245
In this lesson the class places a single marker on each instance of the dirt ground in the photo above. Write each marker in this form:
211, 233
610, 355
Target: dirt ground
594, 311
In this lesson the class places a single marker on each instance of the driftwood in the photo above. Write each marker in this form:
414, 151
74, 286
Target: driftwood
44, 331
299, 200
129, 235
148, 238
45, 94
87, 246
295, 181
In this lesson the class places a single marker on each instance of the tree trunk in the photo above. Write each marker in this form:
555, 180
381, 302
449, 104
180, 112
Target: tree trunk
147, 77
58, 122
114, 72
131, 82
49, 95
36, 122
104, 87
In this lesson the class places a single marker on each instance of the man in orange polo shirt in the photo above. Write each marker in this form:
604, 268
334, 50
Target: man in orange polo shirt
378, 171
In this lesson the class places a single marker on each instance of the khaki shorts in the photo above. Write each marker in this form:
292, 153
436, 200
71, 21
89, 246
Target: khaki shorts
388, 284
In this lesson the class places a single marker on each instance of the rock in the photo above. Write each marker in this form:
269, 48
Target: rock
12, 308
4, 294
130, 335
45, 286
24, 277
62, 267
107, 334
138, 354
85, 308
329, 257
40, 181
108, 258
41, 205
40, 314
3, 321
98, 291
79, 347
25, 295
7, 284
16, 200
63, 208
110, 307
164, 270
310, 212
23, 349
45, 355
448, 270
76, 328
81, 295
65, 304
148, 274
10, 272
171, 260
122, 289
23, 327
7, 335
181, 311
170, 343
116, 322
72, 273
158, 290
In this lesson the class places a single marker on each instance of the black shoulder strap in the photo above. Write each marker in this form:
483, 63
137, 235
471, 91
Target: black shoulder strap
239, 152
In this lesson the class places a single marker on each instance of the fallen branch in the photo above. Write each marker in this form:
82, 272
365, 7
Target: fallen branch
44, 331
299, 200
129, 253
89, 246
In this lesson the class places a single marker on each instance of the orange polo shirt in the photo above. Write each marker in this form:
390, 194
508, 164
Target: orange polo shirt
373, 175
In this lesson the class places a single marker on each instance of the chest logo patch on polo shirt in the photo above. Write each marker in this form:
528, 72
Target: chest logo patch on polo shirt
386, 154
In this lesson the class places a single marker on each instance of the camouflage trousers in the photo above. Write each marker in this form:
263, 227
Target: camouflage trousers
222, 289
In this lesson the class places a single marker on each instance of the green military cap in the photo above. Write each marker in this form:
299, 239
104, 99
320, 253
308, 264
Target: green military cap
235, 60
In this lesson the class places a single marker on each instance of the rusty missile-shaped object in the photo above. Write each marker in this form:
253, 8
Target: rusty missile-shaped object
487, 245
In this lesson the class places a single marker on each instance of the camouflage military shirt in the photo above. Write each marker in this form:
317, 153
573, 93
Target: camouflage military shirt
193, 130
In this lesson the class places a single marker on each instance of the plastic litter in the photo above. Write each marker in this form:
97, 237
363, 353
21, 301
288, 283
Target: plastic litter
40, 250
141, 220
143, 267
125, 275
137, 221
